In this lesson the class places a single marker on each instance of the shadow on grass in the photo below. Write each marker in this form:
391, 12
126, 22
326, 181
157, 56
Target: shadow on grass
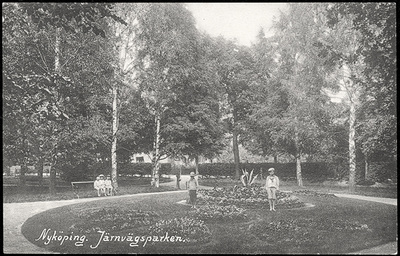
331, 227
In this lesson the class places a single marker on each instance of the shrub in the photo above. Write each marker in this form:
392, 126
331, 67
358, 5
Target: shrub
190, 229
365, 182
142, 168
248, 179
319, 171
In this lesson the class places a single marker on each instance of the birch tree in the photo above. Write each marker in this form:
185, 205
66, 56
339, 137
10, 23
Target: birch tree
343, 43
167, 47
302, 77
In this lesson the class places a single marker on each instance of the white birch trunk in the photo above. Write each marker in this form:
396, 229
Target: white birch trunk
352, 146
114, 170
352, 96
298, 160
155, 174
52, 181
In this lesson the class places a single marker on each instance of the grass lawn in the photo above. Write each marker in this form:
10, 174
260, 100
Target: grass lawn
34, 193
328, 228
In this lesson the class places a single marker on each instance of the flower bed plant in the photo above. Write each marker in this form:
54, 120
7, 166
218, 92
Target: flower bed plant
254, 196
219, 212
302, 231
111, 219
190, 229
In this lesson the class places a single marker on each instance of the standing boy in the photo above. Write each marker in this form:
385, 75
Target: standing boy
272, 185
192, 186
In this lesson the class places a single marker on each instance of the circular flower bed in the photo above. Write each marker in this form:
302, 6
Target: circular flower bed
255, 196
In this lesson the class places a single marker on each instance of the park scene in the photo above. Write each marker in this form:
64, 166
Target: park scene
199, 128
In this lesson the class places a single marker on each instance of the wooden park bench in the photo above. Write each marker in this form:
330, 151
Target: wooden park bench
75, 186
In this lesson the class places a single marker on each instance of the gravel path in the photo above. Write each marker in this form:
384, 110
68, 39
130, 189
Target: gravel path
15, 214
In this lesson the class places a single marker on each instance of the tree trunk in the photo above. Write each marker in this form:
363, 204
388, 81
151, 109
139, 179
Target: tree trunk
40, 172
366, 168
155, 174
52, 182
298, 155
114, 170
275, 159
57, 69
196, 161
298, 171
22, 176
352, 147
236, 146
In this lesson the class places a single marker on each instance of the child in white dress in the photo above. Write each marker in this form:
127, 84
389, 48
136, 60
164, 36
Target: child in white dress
108, 186
102, 185
97, 185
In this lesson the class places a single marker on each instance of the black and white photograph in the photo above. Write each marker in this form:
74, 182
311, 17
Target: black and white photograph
199, 128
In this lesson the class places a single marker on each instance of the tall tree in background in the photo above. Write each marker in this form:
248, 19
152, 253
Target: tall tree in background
344, 42
235, 71
123, 37
192, 124
269, 100
167, 48
376, 23
46, 81
302, 78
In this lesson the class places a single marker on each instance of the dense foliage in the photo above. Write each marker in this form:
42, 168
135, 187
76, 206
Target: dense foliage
80, 77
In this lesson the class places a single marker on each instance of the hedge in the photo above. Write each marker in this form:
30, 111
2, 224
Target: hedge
80, 174
142, 168
284, 170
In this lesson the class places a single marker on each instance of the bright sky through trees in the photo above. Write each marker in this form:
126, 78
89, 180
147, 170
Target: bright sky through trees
241, 21
236, 20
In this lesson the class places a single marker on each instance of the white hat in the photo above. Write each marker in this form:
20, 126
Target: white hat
271, 170
192, 174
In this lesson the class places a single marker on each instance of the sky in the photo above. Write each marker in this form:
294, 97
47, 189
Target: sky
236, 20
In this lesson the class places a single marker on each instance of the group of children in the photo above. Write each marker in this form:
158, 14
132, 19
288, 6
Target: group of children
103, 187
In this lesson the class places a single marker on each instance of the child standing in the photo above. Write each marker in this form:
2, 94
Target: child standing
272, 185
192, 186
102, 185
97, 185
108, 186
